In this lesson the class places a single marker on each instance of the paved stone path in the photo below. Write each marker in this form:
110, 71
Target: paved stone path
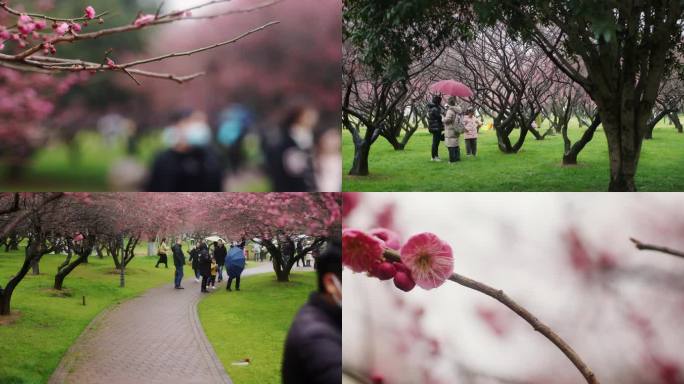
154, 338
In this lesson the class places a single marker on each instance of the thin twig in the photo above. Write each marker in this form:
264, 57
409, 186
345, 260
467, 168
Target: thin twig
536, 324
198, 50
652, 247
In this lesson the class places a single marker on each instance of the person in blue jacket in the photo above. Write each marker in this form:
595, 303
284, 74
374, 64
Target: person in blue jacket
235, 264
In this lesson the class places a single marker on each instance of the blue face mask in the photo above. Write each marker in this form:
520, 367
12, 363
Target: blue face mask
197, 134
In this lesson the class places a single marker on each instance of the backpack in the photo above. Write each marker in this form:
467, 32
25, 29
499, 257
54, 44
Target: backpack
204, 256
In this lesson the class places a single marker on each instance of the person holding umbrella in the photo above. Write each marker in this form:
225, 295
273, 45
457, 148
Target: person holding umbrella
454, 89
235, 264
453, 128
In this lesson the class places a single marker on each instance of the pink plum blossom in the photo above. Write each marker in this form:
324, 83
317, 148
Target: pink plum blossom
62, 28
430, 260
360, 251
90, 12
25, 24
389, 237
76, 27
110, 63
143, 20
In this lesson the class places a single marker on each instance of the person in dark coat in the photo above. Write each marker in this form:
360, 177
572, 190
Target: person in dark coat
194, 261
435, 125
313, 348
235, 264
190, 164
204, 264
220, 253
178, 262
289, 151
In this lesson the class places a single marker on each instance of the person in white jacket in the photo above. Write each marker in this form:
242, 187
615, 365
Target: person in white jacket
453, 128
472, 125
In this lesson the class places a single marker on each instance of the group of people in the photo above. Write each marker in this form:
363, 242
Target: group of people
298, 155
448, 123
207, 263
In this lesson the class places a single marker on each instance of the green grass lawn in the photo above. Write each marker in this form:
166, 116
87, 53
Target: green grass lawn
53, 169
48, 323
253, 324
537, 167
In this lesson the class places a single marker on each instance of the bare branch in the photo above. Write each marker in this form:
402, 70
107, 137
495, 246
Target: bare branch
198, 50
650, 247
536, 324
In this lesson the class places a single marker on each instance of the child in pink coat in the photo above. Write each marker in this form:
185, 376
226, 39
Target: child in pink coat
472, 126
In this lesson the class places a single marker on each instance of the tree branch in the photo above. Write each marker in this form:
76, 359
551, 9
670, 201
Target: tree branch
536, 324
650, 247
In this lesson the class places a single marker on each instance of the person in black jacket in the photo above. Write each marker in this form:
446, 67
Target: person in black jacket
289, 151
204, 264
220, 253
189, 164
435, 125
313, 349
194, 261
178, 262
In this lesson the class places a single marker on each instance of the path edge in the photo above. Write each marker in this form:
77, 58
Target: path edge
62, 371
204, 340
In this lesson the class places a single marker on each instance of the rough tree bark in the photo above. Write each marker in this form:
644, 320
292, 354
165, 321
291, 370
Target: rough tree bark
572, 150
82, 251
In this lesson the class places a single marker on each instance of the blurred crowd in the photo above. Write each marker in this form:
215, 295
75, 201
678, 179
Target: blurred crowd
294, 152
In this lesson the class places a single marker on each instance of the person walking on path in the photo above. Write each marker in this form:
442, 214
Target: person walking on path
204, 264
220, 253
214, 269
235, 264
194, 261
435, 125
453, 128
178, 262
472, 126
162, 253
313, 348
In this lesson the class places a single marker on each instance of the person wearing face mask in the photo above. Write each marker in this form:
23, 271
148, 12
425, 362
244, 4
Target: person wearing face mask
313, 348
289, 154
189, 164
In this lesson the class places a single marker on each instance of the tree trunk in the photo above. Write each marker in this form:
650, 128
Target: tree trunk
674, 117
151, 248
360, 163
653, 122
35, 267
6, 293
572, 151
624, 146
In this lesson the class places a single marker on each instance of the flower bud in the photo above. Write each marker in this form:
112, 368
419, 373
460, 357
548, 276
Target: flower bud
384, 270
403, 281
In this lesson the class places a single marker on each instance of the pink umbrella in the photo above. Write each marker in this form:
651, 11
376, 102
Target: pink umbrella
452, 87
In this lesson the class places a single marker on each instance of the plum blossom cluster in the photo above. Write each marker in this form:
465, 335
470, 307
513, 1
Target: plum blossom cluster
33, 29
424, 259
